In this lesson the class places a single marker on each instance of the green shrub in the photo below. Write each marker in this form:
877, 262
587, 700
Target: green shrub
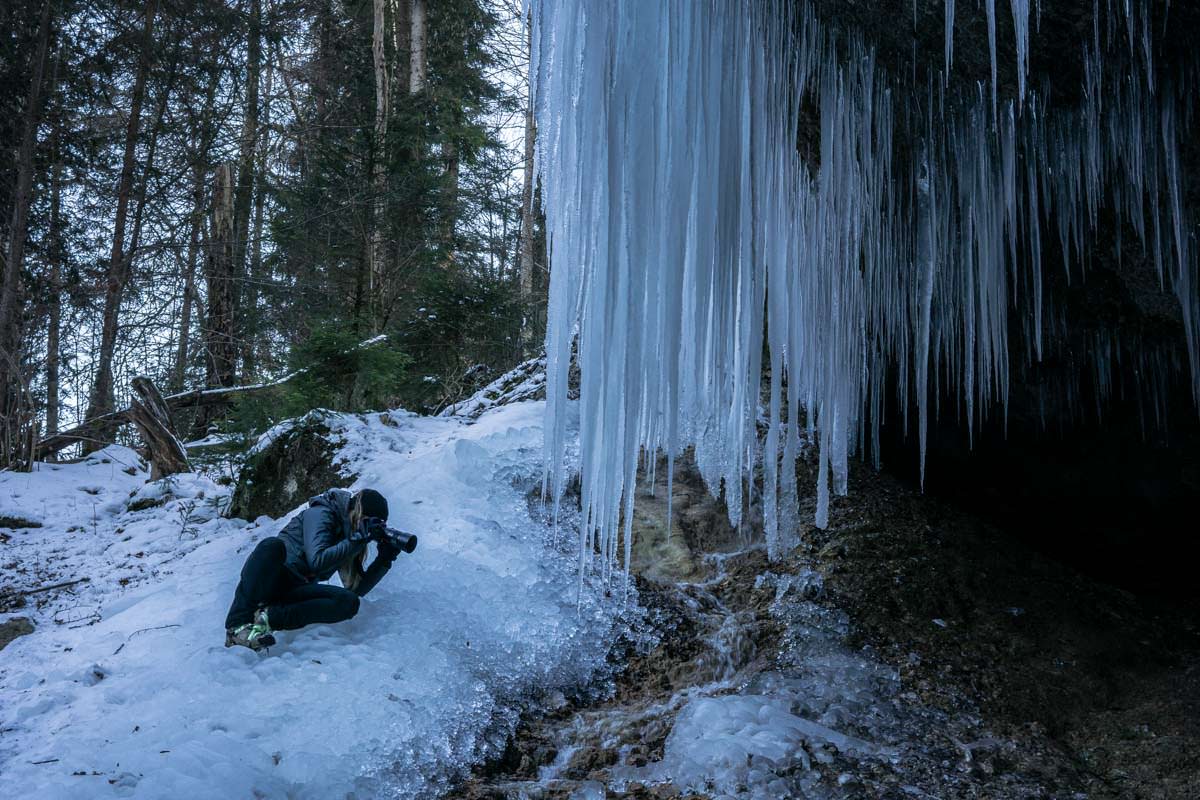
335, 372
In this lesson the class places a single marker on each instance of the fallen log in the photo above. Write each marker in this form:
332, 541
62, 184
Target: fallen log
150, 414
195, 398
51, 587
80, 433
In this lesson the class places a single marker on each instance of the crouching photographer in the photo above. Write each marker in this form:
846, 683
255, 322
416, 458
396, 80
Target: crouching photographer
281, 582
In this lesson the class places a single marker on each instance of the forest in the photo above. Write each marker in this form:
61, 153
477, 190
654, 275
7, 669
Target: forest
215, 194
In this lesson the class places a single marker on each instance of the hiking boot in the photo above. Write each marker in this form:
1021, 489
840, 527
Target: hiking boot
255, 635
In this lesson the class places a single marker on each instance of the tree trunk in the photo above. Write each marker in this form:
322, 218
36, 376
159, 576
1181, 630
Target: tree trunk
54, 303
150, 414
247, 157
527, 213
252, 341
12, 404
379, 174
203, 133
450, 165
417, 66
528, 217
220, 338
401, 34
189, 281
320, 88
139, 214
101, 401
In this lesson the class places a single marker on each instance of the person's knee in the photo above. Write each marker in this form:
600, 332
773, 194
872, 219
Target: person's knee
272, 547
350, 603
265, 557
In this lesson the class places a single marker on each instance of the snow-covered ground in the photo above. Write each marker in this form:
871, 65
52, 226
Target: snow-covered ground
126, 690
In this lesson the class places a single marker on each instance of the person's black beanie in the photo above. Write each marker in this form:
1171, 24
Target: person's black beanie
373, 504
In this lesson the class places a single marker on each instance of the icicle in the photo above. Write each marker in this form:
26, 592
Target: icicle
927, 263
990, 5
684, 227
1020, 12
949, 36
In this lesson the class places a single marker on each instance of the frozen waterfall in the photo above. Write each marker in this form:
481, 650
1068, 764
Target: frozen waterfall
686, 226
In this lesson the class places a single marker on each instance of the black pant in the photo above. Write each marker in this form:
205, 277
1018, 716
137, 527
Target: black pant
291, 602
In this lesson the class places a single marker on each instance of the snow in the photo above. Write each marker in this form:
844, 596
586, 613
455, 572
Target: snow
213, 440
524, 382
686, 227
286, 426
136, 696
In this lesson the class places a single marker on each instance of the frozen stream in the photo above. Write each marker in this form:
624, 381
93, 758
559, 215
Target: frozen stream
755, 713
760, 689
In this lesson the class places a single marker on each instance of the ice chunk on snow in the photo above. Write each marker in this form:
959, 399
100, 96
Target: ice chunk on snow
733, 744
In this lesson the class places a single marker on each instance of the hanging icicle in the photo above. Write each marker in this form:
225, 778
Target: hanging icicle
685, 226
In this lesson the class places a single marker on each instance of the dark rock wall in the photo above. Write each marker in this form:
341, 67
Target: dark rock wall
1101, 471
909, 39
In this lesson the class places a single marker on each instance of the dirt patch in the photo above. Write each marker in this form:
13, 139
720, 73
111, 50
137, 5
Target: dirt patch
18, 522
1104, 683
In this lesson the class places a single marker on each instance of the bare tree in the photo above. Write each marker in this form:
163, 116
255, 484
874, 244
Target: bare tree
528, 212
55, 255
203, 132
418, 20
378, 155
252, 340
219, 334
119, 265
12, 290
247, 156
189, 278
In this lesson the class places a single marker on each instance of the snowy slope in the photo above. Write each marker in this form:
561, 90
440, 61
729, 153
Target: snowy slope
148, 703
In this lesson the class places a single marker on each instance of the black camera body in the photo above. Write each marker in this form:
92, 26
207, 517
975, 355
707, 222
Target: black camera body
378, 530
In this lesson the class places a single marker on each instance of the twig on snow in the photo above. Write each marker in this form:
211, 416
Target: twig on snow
142, 630
23, 592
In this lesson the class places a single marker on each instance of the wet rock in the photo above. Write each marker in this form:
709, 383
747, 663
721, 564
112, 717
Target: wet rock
1038, 683
12, 628
699, 525
587, 760
298, 463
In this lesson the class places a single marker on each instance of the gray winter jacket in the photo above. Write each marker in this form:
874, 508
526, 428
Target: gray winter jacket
317, 539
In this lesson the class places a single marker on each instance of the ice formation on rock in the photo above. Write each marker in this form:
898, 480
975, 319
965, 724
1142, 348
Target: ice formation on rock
685, 225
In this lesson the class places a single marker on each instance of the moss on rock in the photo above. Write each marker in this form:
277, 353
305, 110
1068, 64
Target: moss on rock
297, 464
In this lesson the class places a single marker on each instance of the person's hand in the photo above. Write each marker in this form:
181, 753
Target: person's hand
387, 550
370, 528
376, 528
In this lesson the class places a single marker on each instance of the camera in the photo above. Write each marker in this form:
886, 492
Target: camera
400, 540
378, 530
